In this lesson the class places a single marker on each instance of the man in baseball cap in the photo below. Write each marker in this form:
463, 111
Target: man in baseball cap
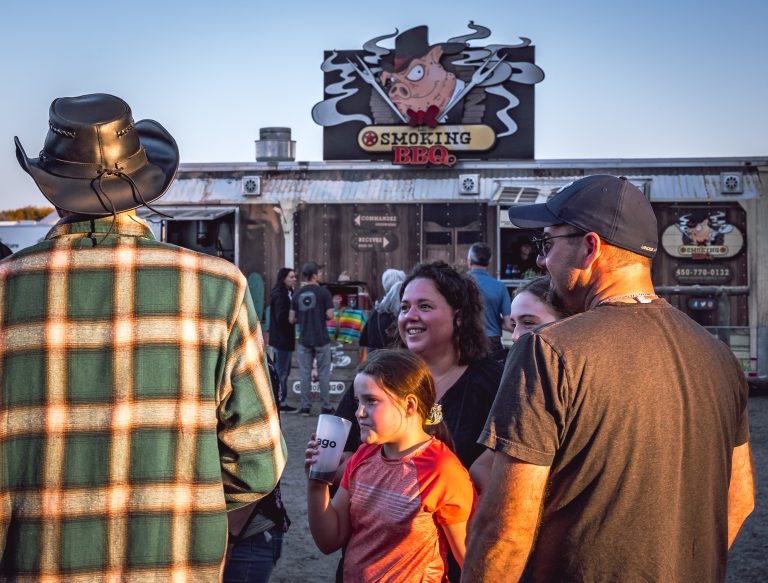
311, 308
628, 415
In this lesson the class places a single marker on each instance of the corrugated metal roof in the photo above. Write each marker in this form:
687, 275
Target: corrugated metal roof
497, 184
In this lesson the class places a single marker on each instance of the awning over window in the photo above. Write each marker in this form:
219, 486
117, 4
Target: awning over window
184, 213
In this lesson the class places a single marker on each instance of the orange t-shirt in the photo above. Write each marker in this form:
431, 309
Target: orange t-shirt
396, 508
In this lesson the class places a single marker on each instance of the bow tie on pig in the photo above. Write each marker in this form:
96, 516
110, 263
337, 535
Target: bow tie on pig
423, 118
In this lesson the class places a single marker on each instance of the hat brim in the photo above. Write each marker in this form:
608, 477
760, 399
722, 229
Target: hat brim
532, 216
84, 196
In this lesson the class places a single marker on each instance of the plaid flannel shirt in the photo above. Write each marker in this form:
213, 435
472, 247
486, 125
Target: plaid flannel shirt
135, 407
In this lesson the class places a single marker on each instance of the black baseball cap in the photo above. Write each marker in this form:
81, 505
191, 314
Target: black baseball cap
610, 206
311, 268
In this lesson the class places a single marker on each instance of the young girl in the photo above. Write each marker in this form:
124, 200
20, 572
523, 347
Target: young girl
405, 497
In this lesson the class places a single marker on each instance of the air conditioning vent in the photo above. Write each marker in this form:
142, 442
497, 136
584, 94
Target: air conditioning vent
469, 184
731, 183
251, 186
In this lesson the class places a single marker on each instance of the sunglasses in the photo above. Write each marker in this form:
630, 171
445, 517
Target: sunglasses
544, 244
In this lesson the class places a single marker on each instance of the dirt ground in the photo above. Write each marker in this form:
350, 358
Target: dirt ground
301, 561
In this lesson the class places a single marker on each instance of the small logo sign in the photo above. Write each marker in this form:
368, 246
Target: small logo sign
702, 234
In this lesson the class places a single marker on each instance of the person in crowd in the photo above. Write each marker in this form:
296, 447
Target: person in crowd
530, 309
312, 307
495, 297
621, 433
440, 320
404, 494
136, 401
282, 332
380, 330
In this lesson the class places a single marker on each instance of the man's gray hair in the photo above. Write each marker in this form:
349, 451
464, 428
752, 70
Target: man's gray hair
480, 254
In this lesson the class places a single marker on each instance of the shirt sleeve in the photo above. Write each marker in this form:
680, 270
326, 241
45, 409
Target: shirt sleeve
282, 307
528, 415
251, 446
362, 453
447, 490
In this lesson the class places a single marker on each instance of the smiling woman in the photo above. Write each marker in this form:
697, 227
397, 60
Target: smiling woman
441, 320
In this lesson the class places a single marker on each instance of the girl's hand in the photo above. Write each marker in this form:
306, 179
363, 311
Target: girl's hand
311, 453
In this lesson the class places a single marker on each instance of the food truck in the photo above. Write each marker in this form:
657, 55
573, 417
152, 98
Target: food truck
404, 181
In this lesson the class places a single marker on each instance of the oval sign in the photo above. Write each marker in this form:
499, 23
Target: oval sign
455, 138
707, 237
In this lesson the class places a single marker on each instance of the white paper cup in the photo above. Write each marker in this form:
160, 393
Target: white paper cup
331, 434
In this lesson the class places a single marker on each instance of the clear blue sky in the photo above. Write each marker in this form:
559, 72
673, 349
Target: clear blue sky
624, 79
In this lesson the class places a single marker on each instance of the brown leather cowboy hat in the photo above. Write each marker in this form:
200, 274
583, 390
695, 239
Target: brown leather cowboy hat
97, 161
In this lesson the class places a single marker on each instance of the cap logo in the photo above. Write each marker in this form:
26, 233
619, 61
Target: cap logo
648, 248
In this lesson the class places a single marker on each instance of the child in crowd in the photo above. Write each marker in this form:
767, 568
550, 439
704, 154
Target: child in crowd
404, 497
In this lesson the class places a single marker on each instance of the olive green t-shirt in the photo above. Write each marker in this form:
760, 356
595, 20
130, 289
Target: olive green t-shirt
637, 410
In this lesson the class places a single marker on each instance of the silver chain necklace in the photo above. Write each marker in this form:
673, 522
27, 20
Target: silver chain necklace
640, 298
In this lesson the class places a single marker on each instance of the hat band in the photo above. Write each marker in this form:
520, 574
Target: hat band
88, 170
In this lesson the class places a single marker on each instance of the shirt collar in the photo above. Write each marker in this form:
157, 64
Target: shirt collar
479, 270
80, 225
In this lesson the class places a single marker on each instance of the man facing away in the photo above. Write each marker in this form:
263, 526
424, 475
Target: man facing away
495, 295
135, 401
311, 307
620, 434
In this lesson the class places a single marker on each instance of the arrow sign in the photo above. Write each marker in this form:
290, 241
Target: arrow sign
372, 241
373, 221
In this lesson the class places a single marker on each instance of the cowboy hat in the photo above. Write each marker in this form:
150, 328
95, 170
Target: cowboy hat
97, 161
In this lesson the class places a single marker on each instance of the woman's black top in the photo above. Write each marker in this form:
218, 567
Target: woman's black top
282, 334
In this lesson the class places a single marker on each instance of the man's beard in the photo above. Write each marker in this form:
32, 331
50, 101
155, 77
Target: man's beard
558, 302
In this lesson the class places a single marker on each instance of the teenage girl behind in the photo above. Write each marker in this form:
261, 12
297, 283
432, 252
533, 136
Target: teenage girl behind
405, 497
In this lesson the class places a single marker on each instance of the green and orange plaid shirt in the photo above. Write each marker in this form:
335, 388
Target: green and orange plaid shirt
135, 407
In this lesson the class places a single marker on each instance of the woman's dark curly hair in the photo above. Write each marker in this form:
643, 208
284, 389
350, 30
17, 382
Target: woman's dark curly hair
462, 294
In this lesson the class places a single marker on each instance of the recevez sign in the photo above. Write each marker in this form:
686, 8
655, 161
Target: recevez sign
426, 102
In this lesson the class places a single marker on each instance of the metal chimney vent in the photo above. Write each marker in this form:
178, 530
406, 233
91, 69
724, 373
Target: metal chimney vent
275, 145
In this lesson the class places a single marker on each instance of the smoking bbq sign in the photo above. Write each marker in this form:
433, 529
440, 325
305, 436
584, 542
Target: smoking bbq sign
427, 104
